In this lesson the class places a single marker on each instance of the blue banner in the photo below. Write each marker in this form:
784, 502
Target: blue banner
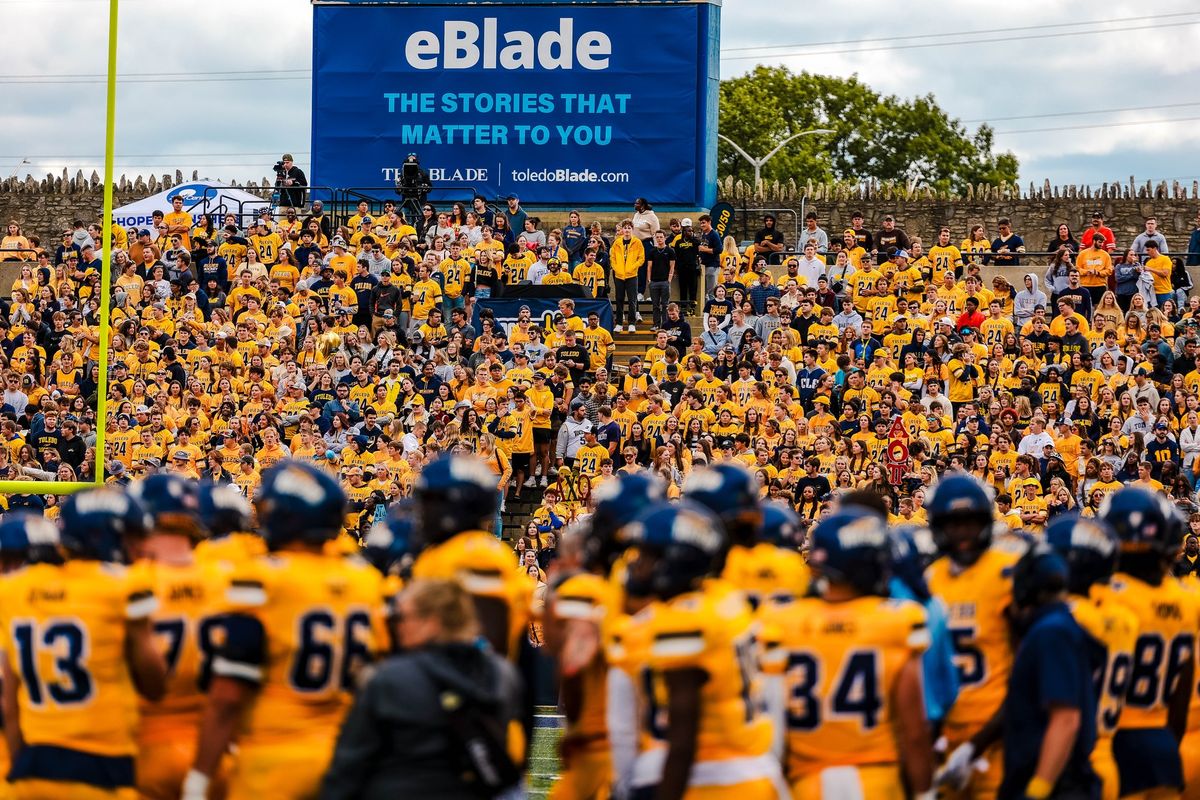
559, 104
542, 310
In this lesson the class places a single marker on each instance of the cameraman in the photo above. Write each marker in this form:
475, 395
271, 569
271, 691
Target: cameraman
287, 177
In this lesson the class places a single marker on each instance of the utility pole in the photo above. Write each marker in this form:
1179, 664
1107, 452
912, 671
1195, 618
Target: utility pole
757, 163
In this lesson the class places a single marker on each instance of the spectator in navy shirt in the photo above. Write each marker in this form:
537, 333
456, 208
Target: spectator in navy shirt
1006, 247
679, 332
709, 248
760, 291
608, 433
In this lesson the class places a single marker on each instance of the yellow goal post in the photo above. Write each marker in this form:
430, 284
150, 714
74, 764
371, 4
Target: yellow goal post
54, 487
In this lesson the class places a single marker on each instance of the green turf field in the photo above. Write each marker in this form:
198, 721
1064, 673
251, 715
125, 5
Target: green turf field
543, 760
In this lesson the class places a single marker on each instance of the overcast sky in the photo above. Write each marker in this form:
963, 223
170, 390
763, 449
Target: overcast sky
1039, 70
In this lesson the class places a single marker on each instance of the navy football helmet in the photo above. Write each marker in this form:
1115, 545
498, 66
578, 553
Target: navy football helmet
1148, 528
728, 490
454, 493
390, 539
20, 531
1089, 547
171, 501
299, 502
224, 510
26, 502
781, 526
96, 524
618, 502
1041, 572
852, 546
961, 513
912, 552
678, 545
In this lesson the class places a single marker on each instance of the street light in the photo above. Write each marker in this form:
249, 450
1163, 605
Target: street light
757, 163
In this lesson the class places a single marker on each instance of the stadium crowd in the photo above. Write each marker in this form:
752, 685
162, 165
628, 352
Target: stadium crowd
237, 343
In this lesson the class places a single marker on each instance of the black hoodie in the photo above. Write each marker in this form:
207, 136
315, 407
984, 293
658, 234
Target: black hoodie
396, 740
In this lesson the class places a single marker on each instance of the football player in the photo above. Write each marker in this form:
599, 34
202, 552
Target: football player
301, 624
14, 549
1161, 680
850, 697
1089, 548
1050, 706
974, 579
912, 551
186, 625
228, 518
756, 567
454, 504
580, 602
78, 650
703, 733
387, 547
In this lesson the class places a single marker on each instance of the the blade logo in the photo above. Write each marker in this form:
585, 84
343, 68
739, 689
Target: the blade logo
457, 174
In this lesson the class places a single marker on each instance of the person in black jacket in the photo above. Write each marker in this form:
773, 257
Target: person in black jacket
407, 733
1188, 562
290, 178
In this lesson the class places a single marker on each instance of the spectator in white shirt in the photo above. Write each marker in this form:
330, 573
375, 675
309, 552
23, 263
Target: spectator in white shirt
1189, 444
810, 267
1035, 441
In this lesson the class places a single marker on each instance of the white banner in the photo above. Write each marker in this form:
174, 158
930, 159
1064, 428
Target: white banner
199, 198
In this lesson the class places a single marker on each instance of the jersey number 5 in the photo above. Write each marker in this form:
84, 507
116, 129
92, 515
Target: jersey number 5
967, 656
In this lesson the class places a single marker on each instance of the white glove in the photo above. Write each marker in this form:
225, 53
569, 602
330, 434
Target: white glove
195, 786
957, 769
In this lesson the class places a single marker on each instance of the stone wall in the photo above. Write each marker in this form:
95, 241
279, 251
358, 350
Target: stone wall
1035, 212
46, 207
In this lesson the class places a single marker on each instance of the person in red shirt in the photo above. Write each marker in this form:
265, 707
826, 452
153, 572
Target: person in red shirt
1099, 229
971, 317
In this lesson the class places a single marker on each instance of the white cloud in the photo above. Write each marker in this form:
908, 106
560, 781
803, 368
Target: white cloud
1040, 71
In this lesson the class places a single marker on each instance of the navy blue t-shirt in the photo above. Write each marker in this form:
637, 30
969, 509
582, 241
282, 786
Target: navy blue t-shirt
609, 434
1051, 668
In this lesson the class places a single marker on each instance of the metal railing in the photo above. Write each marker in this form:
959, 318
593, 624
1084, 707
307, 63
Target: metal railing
346, 199
247, 210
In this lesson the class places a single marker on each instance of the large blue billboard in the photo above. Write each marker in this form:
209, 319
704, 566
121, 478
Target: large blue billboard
562, 104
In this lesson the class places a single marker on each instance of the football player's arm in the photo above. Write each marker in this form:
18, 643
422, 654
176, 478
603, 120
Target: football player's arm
684, 687
237, 675
775, 703
916, 753
147, 666
621, 718
227, 697
12, 709
1177, 705
1058, 742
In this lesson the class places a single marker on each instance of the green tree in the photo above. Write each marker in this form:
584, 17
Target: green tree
874, 136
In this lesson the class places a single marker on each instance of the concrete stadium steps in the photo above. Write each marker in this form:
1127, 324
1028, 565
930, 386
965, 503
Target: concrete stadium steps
518, 512
636, 344
632, 344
